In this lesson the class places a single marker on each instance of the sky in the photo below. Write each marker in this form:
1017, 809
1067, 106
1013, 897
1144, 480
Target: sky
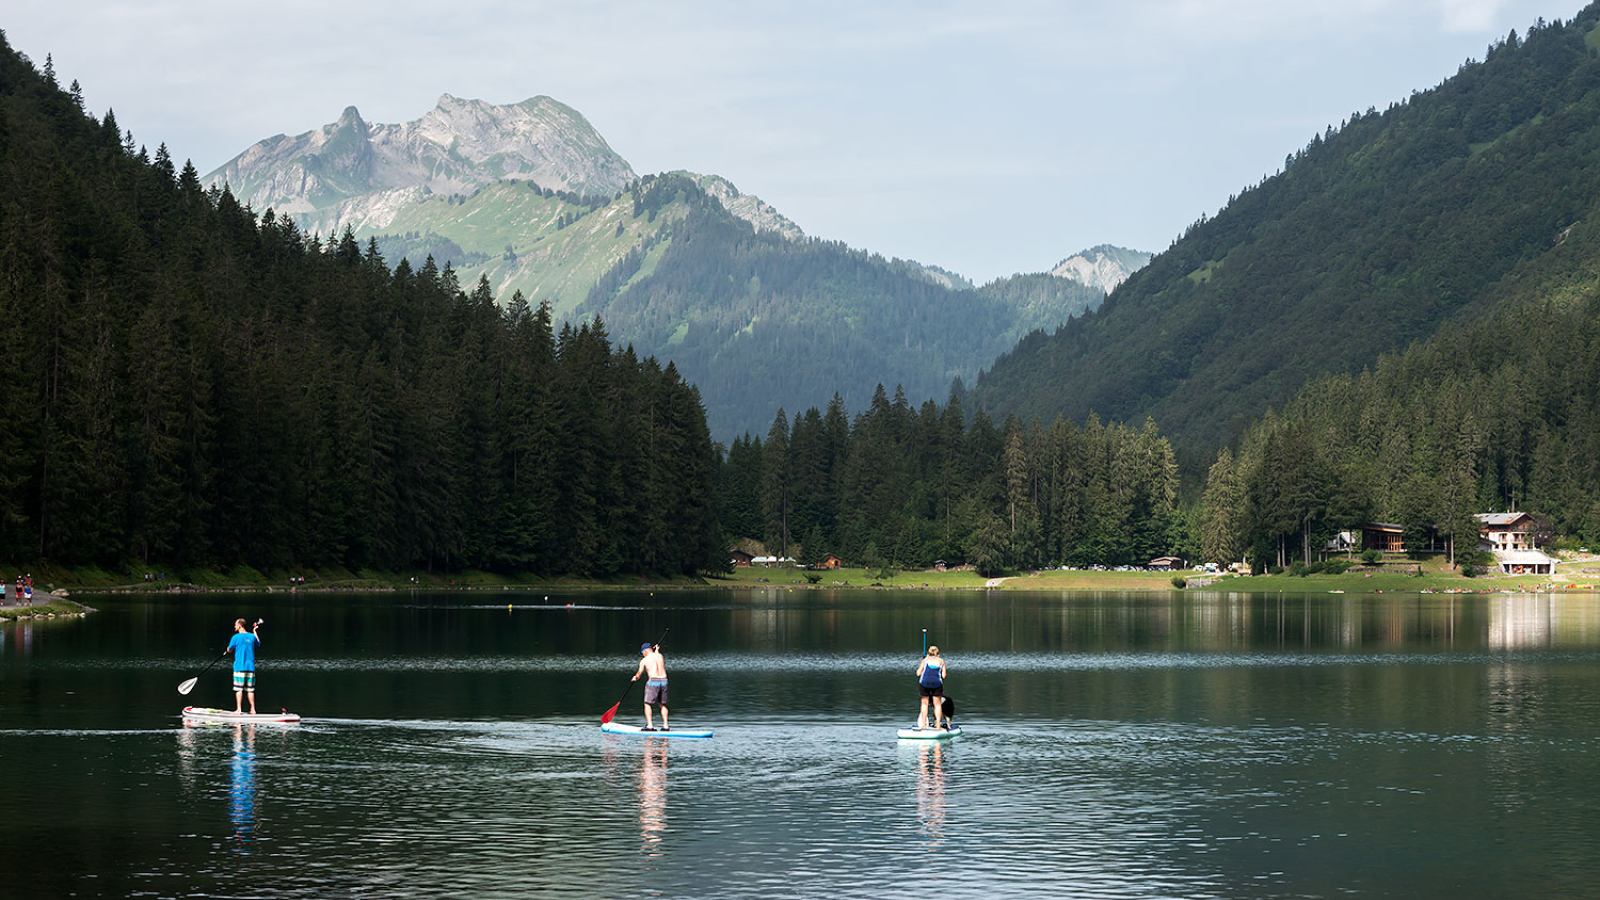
987, 138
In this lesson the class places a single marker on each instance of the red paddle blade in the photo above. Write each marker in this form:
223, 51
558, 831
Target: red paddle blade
610, 714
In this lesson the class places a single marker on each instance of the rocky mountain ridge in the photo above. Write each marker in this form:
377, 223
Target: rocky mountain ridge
455, 148
1103, 266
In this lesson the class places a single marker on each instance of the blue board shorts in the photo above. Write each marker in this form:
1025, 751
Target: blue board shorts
244, 681
655, 692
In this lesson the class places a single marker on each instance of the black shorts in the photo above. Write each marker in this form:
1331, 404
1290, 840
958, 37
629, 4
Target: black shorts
930, 691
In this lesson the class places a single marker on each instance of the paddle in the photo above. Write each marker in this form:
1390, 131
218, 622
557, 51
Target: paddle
611, 713
188, 686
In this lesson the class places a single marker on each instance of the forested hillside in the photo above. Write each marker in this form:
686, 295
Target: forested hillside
1501, 413
184, 383
758, 320
1373, 236
903, 486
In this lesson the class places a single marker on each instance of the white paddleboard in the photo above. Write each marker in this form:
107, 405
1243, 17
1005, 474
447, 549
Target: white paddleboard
207, 714
614, 727
928, 734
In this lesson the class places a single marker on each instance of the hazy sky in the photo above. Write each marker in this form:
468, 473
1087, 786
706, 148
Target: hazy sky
988, 138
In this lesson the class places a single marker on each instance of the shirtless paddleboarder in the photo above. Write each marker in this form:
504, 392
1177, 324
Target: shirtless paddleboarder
654, 666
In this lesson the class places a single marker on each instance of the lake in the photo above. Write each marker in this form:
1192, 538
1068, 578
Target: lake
1116, 745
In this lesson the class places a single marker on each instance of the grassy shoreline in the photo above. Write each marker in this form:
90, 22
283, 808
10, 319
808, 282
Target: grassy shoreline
1054, 580
92, 580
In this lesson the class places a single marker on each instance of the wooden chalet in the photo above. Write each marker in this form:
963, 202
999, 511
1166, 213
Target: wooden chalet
739, 557
1386, 537
830, 562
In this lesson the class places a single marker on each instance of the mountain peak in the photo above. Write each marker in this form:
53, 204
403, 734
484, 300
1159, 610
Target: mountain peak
455, 148
1103, 266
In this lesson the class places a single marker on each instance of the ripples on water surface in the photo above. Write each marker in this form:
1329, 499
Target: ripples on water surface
1115, 747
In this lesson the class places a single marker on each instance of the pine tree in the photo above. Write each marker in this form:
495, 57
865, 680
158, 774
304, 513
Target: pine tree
1222, 533
776, 486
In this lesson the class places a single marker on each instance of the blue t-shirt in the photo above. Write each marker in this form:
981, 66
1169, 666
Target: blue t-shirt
244, 646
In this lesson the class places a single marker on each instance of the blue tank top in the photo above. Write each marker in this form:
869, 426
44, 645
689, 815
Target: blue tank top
932, 674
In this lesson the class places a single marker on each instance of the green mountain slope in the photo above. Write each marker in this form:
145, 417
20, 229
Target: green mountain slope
551, 247
759, 321
1372, 237
1500, 412
681, 265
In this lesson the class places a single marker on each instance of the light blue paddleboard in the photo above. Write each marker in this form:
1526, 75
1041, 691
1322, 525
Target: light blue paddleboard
614, 727
928, 734
207, 714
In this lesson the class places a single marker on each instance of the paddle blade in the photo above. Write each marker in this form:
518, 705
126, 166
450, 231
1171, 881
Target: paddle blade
610, 714
188, 686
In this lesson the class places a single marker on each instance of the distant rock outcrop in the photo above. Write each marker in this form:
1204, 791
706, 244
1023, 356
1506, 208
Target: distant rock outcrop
457, 147
1103, 266
748, 207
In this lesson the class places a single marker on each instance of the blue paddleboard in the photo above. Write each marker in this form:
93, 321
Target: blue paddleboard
614, 727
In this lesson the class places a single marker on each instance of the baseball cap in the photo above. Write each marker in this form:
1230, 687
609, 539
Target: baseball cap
645, 646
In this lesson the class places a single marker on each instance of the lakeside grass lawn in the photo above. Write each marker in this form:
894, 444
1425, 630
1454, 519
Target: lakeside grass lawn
1432, 579
762, 576
92, 579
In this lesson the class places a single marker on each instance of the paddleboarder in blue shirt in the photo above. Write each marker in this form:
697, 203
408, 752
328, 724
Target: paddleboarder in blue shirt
243, 647
930, 683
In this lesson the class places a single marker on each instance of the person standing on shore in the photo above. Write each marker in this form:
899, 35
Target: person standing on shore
243, 647
654, 666
930, 684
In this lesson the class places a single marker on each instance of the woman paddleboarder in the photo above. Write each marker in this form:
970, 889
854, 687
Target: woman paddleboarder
931, 673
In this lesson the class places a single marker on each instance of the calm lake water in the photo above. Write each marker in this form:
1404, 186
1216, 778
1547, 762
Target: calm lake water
1124, 746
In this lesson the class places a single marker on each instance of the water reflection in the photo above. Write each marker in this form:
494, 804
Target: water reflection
931, 800
1542, 620
653, 797
242, 801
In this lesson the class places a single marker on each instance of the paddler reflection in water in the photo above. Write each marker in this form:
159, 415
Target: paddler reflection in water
930, 683
653, 797
653, 665
242, 799
931, 800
